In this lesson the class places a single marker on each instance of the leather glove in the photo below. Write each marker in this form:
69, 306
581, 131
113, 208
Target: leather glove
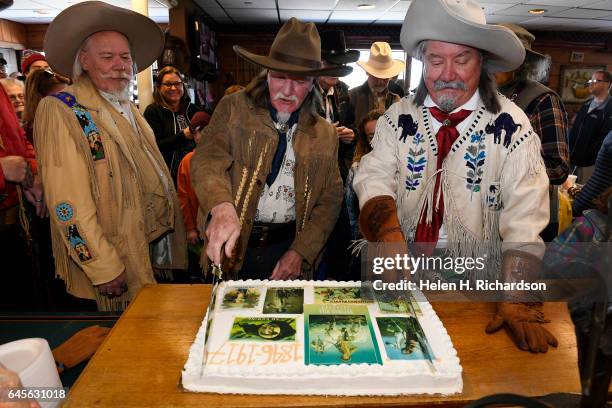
80, 347
524, 320
378, 220
379, 223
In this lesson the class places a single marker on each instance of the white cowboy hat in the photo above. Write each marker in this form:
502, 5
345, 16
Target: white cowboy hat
461, 22
381, 63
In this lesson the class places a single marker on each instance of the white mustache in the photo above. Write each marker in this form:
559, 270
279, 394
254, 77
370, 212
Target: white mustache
439, 85
118, 75
279, 95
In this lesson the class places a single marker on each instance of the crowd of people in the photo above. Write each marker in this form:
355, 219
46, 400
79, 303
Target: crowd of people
290, 170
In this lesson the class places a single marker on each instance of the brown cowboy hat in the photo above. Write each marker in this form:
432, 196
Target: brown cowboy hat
524, 36
72, 26
296, 50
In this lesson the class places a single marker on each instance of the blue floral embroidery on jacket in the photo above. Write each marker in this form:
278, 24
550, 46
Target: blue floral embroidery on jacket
474, 160
416, 161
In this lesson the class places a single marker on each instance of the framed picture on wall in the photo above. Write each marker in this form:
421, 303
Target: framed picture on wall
573, 85
577, 56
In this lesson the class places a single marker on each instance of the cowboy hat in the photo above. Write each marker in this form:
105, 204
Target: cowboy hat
381, 63
333, 48
72, 26
524, 37
461, 22
296, 50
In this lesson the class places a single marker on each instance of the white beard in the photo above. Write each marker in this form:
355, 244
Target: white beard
283, 117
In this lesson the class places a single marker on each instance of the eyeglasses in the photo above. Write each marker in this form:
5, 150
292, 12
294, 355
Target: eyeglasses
594, 81
15, 97
176, 85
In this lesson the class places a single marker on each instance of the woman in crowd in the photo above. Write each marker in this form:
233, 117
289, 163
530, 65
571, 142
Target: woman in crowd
39, 84
363, 147
189, 202
169, 116
15, 90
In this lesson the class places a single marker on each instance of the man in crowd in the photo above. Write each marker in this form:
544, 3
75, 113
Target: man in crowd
115, 217
374, 94
266, 171
31, 61
336, 107
591, 125
546, 113
456, 163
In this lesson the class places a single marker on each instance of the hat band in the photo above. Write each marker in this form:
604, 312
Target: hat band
290, 59
376, 64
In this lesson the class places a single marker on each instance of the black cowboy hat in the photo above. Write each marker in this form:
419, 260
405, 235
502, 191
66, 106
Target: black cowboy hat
333, 48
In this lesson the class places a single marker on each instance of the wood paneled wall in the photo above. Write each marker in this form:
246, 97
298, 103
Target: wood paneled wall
13, 33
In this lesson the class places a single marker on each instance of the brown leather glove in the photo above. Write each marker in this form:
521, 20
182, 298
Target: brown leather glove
378, 220
524, 320
80, 347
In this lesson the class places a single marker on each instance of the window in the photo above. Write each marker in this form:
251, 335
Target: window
359, 76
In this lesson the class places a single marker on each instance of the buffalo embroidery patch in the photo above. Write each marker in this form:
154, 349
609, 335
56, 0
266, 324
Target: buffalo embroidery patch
90, 130
64, 211
494, 197
503, 123
408, 125
78, 244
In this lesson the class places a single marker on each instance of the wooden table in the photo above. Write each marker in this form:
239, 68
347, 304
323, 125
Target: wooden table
140, 362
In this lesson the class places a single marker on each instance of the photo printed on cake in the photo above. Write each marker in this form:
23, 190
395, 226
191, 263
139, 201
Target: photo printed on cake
284, 301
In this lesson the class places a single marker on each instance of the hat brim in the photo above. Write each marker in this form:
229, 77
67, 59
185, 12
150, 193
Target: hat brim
281, 66
346, 58
537, 54
395, 69
432, 20
72, 26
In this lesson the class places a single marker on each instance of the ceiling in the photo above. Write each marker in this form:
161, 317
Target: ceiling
43, 11
560, 15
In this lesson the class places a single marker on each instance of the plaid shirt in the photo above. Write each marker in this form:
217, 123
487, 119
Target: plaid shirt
549, 120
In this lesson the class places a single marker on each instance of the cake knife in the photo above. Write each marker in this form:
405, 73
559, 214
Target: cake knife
217, 273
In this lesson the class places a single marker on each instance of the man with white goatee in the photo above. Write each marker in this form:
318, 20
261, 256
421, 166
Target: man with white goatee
457, 165
115, 218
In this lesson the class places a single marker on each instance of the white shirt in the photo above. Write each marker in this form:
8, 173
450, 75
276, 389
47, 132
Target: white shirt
122, 106
329, 109
472, 104
277, 202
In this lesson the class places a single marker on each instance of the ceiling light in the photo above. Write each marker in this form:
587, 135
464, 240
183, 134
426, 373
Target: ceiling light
41, 11
365, 6
537, 11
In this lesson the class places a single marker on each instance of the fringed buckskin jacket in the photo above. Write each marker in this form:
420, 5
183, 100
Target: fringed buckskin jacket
109, 194
234, 158
494, 181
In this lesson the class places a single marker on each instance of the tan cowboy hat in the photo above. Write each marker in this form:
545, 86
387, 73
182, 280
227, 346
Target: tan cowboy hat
296, 50
72, 26
461, 22
524, 36
381, 63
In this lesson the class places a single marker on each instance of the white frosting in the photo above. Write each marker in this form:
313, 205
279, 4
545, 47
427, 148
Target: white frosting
243, 367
